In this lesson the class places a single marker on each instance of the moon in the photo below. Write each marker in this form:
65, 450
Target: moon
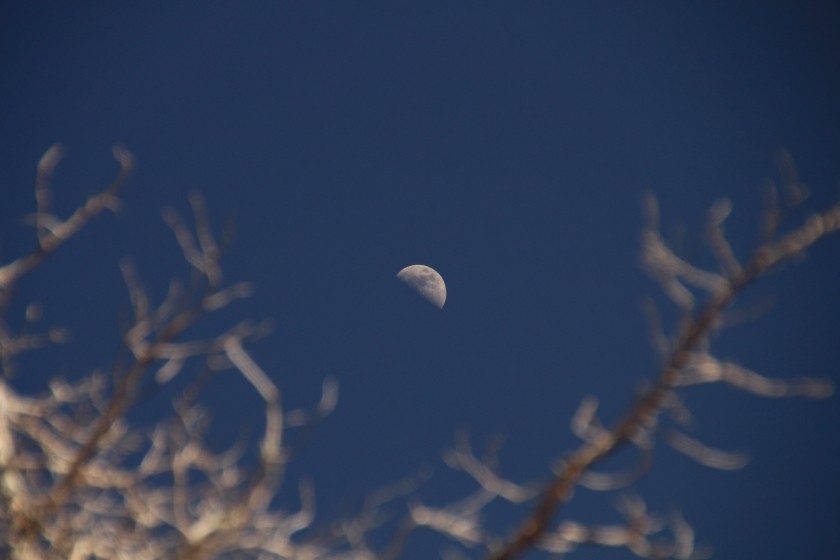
426, 281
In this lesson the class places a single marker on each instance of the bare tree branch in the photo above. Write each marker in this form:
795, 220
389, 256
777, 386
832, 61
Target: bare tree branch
53, 232
668, 270
79, 480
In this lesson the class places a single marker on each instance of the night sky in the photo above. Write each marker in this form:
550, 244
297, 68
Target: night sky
506, 145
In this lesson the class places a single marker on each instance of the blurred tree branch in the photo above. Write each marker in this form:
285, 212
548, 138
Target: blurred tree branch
52, 231
78, 480
686, 360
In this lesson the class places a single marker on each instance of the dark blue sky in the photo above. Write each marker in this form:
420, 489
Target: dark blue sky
506, 145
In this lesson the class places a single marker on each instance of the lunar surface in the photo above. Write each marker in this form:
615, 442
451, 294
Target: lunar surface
426, 281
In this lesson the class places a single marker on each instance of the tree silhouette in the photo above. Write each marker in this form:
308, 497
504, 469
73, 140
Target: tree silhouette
79, 479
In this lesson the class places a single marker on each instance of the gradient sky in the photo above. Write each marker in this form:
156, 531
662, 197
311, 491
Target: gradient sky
507, 145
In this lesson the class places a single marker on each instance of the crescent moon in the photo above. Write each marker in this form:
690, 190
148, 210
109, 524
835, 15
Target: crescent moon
426, 281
